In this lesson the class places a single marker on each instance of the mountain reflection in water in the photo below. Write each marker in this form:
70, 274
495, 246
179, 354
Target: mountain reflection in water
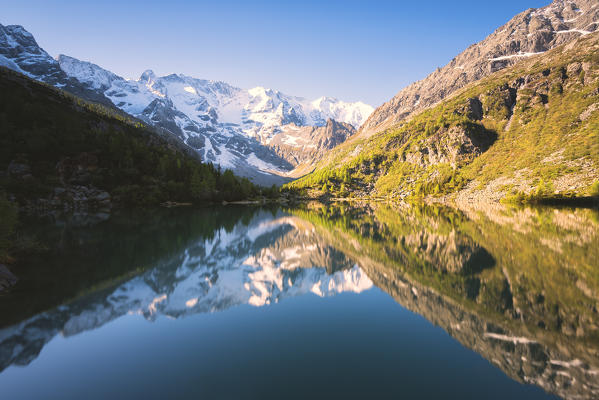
518, 286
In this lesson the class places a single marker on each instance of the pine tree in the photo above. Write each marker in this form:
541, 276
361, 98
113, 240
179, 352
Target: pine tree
195, 185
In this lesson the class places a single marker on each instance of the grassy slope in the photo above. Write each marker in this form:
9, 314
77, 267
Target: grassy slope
536, 142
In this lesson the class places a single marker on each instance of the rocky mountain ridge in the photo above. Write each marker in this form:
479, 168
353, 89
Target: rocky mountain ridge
306, 145
531, 32
527, 133
20, 52
226, 125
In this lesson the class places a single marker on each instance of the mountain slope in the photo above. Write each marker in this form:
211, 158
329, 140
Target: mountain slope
531, 32
226, 125
60, 152
20, 52
304, 145
529, 129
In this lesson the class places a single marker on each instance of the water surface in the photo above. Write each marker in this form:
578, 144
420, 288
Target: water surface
337, 301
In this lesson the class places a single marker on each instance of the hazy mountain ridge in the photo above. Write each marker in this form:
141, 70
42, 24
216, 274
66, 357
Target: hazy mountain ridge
303, 146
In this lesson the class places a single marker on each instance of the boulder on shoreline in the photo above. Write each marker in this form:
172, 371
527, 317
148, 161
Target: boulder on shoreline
7, 278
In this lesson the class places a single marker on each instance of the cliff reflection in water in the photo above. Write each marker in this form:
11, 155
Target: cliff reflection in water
520, 287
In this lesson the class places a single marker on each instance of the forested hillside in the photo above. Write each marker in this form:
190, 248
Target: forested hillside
57, 150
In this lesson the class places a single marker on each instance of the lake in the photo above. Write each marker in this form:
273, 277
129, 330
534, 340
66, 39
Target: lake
320, 301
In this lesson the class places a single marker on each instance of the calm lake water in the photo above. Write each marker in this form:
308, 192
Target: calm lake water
369, 301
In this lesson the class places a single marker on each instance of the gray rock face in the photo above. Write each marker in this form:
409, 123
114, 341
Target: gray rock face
7, 278
528, 33
160, 113
307, 144
19, 51
76, 191
19, 169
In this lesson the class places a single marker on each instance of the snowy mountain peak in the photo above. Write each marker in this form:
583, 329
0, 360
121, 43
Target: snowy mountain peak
147, 76
224, 123
18, 29
19, 46
86, 72
260, 91
20, 52
227, 125
20, 34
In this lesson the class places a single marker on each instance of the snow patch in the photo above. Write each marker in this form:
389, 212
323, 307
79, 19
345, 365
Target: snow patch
515, 56
505, 338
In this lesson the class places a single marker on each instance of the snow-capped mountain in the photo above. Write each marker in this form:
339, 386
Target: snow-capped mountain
205, 114
20, 52
227, 125
259, 263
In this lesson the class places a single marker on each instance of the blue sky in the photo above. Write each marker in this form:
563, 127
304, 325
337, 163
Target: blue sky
352, 50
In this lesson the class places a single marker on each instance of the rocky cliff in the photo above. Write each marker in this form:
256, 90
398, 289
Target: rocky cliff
525, 133
306, 145
531, 32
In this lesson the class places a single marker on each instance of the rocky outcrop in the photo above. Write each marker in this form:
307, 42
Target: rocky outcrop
19, 169
307, 144
19, 51
453, 145
7, 278
77, 170
531, 32
76, 191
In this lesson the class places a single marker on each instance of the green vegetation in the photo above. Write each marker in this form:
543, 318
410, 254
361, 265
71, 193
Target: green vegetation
532, 125
43, 127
